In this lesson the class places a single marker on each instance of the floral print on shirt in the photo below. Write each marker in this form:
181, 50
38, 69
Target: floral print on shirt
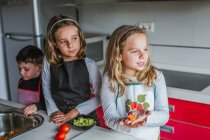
140, 104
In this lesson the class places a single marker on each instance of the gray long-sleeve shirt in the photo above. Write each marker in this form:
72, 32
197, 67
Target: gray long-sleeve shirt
85, 107
114, 107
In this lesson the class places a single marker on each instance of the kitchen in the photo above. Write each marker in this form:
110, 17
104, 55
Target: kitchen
178, 43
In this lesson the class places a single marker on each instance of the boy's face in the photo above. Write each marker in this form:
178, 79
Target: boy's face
29, 70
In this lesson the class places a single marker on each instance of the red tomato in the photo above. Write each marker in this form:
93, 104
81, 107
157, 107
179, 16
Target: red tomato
60, 136
64, 128
133, 105
140, 107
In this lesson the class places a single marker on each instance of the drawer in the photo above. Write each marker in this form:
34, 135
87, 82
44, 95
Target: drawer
191, 112
185, 131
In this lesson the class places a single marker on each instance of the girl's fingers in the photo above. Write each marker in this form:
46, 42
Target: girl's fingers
59, 119
148, 113
122, 122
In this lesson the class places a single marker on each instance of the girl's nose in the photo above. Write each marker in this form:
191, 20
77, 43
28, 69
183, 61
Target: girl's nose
69, 44
141, 54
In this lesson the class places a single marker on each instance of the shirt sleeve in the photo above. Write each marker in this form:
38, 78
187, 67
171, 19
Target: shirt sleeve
50, 104
111, 116
95, 79
160, 115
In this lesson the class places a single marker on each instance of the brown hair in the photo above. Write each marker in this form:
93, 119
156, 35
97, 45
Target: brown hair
53, 54
30, 54
114, 67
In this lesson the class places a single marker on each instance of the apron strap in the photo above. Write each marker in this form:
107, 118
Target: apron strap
118, 92
154, 92
39, 86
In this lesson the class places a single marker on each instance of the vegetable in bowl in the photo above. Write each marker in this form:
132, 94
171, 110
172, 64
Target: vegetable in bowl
83, 122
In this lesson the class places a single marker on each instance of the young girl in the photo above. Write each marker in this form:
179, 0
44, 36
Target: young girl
133, 94
69, 77
29, 60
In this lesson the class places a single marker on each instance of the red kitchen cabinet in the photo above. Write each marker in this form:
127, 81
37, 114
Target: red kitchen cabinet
191, 112
186, 131
188, 121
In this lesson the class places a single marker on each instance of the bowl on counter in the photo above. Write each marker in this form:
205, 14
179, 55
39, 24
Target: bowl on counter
83, 122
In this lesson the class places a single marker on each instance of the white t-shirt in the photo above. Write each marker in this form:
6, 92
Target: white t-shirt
116, 107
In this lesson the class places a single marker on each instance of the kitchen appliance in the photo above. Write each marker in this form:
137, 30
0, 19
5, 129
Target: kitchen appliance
96, 47
24, 22
185, 80
21, 27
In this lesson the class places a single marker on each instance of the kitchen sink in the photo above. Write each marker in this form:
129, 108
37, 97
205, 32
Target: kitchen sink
13, 123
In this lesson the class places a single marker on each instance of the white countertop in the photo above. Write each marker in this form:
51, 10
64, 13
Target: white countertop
47, 130
98, 133
190, 95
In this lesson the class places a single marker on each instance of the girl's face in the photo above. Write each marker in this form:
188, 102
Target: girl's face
135, 53
29, 70
68, 42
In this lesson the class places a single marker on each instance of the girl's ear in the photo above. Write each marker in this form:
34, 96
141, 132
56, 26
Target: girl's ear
119, 58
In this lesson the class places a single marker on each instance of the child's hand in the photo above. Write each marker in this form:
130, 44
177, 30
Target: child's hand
58, 117
136, 119
30, 109
72, 114
141, 117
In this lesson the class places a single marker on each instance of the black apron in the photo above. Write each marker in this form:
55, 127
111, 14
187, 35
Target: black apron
70, 85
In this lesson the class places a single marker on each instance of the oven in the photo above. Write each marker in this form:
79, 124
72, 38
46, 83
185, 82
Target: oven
96, 47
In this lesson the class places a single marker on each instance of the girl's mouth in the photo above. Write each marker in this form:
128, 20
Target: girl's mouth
72, 51
140, 64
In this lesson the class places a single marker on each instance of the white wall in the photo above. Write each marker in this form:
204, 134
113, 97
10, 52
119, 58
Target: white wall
178, 23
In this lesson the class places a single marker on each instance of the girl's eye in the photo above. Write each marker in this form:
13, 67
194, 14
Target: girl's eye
75, 38
62, 42
134, 51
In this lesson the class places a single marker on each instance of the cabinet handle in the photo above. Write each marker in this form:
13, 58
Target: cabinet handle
171, 108
166, 128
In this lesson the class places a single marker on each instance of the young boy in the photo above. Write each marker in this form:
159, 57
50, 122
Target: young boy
29, 60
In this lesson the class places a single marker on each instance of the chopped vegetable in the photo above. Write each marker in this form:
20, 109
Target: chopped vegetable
81, 121
132, 117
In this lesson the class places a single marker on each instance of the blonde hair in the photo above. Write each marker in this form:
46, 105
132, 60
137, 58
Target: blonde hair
114, 67
52, 53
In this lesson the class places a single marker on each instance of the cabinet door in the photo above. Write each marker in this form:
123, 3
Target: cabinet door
190, 112
186, 131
